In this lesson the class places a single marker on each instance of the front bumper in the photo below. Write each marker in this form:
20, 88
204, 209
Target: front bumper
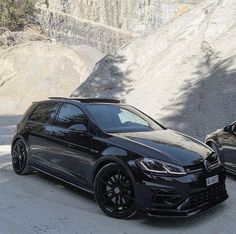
180, 196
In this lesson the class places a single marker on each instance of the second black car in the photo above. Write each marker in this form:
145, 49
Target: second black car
223, 141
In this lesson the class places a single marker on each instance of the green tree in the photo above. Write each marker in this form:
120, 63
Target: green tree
15, 14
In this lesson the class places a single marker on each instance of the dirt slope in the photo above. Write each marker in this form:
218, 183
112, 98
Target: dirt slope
183, 74
36, 70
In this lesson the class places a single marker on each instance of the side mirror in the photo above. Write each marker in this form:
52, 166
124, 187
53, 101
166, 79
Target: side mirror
230, 128
233, 128
227, 128
79, 128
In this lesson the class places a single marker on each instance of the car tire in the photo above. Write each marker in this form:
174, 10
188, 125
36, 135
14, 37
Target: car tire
20, 158
114, 192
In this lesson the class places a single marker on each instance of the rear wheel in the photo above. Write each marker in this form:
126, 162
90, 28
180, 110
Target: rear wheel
19, 158
114, 191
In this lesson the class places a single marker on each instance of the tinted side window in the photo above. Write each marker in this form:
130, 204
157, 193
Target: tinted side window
44, 112
70, 115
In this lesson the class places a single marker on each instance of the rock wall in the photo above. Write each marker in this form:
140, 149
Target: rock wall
183, 74
46, 69
68, 29
95, 22
131, 15
9, 38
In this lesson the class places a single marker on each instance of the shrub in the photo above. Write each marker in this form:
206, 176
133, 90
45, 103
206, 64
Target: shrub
15, 14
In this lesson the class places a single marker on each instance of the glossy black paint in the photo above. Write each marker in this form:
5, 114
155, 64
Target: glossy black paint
225, 141
76, 157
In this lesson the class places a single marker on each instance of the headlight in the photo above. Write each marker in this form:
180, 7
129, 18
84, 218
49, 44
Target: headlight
156, 166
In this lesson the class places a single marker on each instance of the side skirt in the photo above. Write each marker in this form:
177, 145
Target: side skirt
59, 178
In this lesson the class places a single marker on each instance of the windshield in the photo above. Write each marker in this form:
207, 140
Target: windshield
114, 118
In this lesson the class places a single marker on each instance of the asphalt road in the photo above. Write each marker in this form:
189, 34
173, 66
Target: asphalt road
39, 204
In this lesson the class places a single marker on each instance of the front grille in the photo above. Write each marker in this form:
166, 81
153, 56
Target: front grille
213, 159
206, 196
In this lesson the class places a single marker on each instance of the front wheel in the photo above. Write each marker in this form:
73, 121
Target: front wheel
114, 192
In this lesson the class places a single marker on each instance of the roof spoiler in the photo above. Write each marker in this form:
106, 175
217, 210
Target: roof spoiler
88, 100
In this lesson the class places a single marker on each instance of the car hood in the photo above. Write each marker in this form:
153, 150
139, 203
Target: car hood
166, 145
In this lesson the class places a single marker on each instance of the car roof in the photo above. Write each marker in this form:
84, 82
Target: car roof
86, 100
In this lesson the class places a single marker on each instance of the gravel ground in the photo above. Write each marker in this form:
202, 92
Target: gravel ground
39, 204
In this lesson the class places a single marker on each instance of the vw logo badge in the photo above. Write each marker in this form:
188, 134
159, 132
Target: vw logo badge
207, 165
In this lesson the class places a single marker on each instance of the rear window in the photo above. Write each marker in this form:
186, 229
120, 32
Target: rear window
44, 112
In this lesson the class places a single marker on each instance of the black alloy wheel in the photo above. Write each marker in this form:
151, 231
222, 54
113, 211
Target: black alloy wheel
19, 158
114, 191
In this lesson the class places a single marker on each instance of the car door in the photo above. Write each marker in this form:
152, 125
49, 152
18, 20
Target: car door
38, 130
70, 149
228, 143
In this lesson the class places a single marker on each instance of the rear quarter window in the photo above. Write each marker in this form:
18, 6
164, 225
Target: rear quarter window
69, 115
44, 112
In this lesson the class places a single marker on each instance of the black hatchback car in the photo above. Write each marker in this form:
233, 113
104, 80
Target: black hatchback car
223, 141
128, 160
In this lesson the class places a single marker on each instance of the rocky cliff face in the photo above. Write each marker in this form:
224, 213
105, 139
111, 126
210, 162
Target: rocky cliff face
106, 24
37, 70
68, 29
9, 38
131, 15
183, 74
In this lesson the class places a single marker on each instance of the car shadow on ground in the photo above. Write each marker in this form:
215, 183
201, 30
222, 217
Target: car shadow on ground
85, 195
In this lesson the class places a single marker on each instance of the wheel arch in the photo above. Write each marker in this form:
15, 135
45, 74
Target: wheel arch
16, 138
209, 142
105, 161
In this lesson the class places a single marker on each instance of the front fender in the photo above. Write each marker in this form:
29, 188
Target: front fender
109, 155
